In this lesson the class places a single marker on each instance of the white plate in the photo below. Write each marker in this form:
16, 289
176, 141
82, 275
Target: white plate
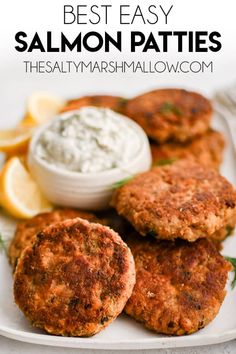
124, 333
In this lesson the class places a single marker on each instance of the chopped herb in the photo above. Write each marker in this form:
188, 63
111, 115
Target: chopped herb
2, 244
164, 162
151, 233
74, 302
122, 182
123, 101
168, 107
233, 262
103, 320
229, 230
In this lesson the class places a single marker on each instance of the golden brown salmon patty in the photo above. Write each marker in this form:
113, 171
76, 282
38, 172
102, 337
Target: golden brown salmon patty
206, 149
185, 200
171, 114
26, 230
115, 103
75, 279
179, 285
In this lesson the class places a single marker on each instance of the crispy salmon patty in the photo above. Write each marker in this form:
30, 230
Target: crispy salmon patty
182, 200
75, 279
179, 286
206, 149
27, 230
171, 114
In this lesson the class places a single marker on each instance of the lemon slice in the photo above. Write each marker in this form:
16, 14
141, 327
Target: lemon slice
15, 141
20, 195
41, 106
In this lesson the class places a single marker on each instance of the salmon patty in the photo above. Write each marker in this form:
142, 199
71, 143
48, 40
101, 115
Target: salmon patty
75, 279
179, 285
171, 114
115, 103
27, 230
206, 149
182, 200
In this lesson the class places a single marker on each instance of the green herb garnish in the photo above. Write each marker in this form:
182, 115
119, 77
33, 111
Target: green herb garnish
151, 233
123, 101
233, 262
168, 107
229, 230
122, 182
3, 244
164, 162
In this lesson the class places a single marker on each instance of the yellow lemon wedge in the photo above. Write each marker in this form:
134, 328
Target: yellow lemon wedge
15, 141
20, 195
40, 107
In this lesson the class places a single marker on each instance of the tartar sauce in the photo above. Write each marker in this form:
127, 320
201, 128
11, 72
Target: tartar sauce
92, 140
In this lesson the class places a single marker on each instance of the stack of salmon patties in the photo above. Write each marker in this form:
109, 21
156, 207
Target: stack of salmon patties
178, 125
180, 210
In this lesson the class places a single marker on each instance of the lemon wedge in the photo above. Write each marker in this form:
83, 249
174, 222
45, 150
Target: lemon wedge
41, 106
20, 195
15, 141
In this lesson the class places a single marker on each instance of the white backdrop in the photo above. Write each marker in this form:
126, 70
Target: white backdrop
31, 16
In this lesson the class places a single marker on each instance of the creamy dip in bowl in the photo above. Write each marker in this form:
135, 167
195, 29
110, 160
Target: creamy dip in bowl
78, 156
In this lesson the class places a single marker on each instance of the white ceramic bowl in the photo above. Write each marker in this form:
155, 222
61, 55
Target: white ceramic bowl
91, 191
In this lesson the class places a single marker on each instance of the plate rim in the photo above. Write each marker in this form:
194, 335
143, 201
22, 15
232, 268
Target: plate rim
147, 343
